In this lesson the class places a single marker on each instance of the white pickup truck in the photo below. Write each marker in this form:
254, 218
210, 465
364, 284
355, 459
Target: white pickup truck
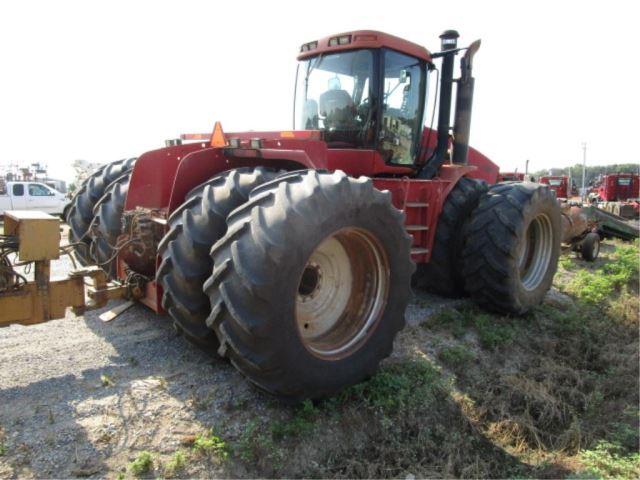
31, 196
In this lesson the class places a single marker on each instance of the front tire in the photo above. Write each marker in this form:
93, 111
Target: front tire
512, 247
310, 283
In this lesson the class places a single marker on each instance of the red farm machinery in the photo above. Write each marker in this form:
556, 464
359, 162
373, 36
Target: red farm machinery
618, 193
560, 185
617, 187
293, 253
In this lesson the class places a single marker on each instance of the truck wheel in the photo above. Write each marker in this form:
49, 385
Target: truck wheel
108, 224
310, 283
590, 247
443, 273
512, 247
80, 213
185, 250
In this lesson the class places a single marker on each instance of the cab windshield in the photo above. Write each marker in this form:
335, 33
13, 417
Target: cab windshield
332, 94
340, 95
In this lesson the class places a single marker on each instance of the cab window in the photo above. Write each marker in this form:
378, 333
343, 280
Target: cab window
403, 100
624, 181
37, 190
18, 190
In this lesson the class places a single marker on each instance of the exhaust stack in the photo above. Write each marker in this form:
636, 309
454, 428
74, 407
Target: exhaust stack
464, 104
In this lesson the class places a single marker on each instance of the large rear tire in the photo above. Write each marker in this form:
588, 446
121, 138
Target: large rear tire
80, 213
443, 273
108, 224
310, 283
512, 247
185, 250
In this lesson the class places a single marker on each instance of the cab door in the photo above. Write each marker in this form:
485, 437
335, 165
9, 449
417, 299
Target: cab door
40, 197
18, 197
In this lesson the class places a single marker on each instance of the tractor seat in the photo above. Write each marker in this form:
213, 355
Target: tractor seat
338, 108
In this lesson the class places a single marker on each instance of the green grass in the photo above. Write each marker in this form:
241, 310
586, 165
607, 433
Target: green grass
397, 387
493, 331
456, 356
599, 286
303, 422
609, 460
142, 464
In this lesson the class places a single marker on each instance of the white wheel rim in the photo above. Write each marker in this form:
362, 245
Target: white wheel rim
341, 293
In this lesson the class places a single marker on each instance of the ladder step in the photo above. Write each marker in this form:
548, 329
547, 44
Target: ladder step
419, 251
416, 205
416, 228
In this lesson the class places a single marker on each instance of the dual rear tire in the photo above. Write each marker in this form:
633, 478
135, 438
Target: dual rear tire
185, 250
308, 279
310, 283
81, 212
512, 245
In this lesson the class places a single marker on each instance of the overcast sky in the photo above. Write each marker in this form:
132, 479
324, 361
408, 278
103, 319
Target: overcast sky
104, 80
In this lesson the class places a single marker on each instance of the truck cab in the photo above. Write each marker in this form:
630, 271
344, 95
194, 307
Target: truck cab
559, 184
31, 196
619, 187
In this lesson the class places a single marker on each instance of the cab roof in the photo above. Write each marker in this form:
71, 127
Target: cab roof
362, 39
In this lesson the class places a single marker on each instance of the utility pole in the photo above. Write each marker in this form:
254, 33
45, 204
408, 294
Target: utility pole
584, 168
526, 167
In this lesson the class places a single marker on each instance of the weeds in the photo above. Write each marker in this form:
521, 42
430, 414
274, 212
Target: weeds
210, 444
176, 464
106, 381
258, 446
142, 464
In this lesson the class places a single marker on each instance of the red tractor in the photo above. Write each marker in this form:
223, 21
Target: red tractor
291, 253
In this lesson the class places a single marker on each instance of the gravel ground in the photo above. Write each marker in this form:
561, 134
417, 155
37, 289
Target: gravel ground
81, 397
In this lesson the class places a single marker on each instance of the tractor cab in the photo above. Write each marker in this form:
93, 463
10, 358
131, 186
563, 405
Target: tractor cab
364, 90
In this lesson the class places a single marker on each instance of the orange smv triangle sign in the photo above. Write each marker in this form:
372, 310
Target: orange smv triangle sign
217, 137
